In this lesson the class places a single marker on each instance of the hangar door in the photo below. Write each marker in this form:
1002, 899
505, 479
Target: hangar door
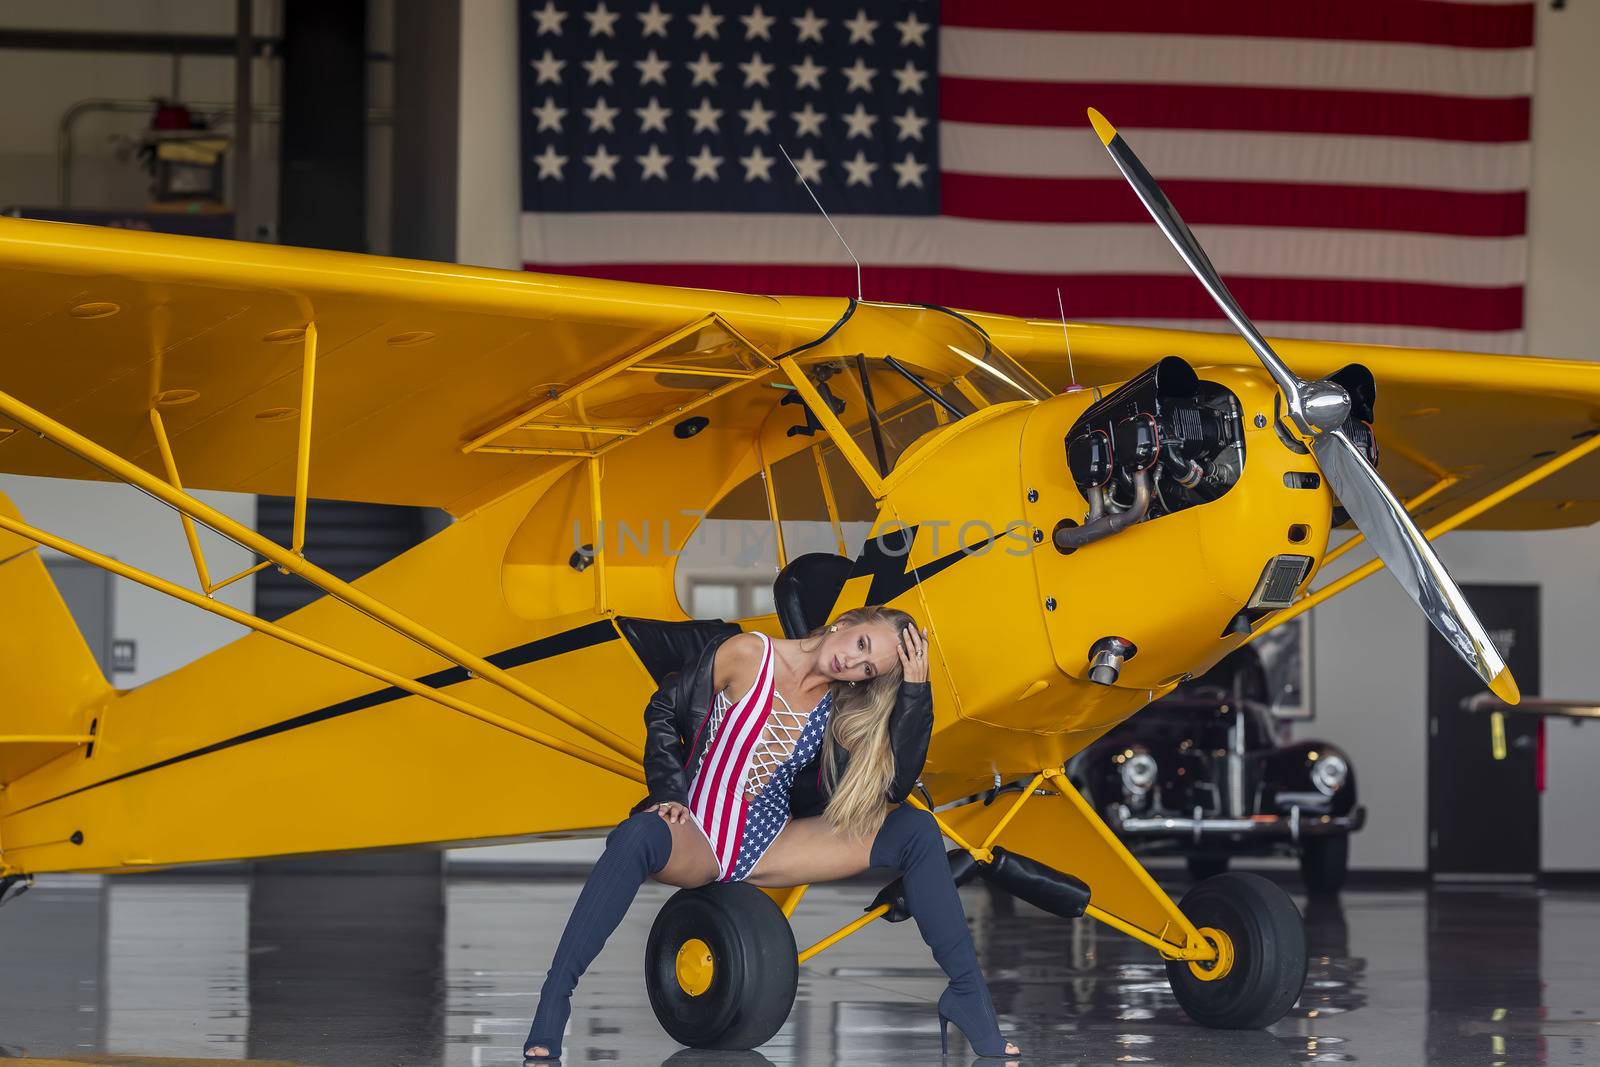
1483, 789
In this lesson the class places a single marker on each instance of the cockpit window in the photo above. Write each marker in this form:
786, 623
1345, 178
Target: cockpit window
893, 374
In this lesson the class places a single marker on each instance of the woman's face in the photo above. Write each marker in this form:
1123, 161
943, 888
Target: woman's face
859, 652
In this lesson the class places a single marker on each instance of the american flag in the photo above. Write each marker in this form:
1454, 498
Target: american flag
1357, 169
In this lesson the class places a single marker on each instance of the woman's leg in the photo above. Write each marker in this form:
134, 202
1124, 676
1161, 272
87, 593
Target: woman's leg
909, 841
808, 850
641, 846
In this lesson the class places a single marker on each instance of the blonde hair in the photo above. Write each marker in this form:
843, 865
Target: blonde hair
859, 722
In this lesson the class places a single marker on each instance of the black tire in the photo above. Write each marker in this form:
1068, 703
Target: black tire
1269, 953
1207, 865
1323, 861
754, 967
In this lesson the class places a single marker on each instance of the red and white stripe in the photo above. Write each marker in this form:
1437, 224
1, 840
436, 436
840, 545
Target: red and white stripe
1357, 169
716, 797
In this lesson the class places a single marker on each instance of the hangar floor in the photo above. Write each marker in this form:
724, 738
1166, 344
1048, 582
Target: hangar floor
341, 969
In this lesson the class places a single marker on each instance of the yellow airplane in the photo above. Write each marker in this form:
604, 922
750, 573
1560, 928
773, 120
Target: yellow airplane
1074, 553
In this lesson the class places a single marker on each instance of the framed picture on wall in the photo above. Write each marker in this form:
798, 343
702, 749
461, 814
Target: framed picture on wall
1286, 656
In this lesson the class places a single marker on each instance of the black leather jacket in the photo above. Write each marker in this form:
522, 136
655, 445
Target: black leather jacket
674, 744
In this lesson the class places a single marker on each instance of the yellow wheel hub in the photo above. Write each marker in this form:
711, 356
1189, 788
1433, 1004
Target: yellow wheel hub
1211, 970
695, 967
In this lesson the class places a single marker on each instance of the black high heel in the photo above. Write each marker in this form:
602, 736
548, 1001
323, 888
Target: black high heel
973, 1013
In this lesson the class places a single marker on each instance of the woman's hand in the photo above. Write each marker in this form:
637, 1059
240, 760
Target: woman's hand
671, 811
913, 651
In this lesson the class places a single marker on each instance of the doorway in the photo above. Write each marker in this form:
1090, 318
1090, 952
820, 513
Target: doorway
1483, 790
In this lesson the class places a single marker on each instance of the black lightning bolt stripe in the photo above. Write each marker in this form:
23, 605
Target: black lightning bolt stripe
885, 556
593, 633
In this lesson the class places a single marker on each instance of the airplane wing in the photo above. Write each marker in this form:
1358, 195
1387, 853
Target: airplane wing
1482, 420
448, 386
435, 384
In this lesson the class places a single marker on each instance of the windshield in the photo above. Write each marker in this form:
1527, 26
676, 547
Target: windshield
893, 373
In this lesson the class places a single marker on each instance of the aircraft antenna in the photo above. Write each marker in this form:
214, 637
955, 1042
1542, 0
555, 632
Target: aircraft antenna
828, 220
1072, 375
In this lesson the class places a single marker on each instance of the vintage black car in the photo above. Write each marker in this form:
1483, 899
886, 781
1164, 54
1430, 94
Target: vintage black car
1201, 773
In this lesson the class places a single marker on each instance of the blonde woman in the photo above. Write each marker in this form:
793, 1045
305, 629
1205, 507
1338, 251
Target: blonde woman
783, 763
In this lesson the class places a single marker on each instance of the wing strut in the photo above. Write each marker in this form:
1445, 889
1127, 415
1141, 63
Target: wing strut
293, 563
399, 681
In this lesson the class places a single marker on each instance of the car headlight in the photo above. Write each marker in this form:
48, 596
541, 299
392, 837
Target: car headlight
1329, 773
1138, 771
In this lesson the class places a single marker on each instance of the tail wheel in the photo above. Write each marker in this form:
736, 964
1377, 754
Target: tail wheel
1323, 861
721, 967
1261, 954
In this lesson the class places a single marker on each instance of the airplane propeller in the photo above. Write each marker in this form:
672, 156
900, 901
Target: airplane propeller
1320, 411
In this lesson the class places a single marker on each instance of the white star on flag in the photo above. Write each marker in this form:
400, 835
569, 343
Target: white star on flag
602, 164
706, 23
913, 31
601, 115
859, 75
910, 124
705, 164
808, 121
549, 115
550, 163
549, 67
757, 116
910, 78
654, 20
861, 28
653, 164
859, 169
809, 26
809, 167
808, 74
704, 70
600, 68
550, 19
910, 172
757, 24
652, 68
705, 116
652, 116
756, 71
602, 22
860, 122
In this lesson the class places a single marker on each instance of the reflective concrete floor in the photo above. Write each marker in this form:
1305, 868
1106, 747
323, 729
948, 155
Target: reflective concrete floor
339, 969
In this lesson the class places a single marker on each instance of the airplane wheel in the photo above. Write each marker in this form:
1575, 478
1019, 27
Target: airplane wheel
721, 966
1261, 942
1323, 861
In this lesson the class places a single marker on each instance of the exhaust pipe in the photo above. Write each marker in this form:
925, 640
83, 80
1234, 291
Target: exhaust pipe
1107, 657
1097, 527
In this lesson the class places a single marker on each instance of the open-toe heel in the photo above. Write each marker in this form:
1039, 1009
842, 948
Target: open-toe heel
973, 1013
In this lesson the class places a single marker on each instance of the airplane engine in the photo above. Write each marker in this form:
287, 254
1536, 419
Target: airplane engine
1162, 442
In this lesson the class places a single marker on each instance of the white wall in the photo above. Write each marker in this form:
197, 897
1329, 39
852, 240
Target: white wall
124, 523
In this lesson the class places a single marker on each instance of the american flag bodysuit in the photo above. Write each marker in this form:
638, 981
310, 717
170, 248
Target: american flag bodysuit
740, 828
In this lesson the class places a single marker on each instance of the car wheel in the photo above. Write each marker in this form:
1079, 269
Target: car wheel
721, 966
1207, 866
1323, 861
1261, 942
